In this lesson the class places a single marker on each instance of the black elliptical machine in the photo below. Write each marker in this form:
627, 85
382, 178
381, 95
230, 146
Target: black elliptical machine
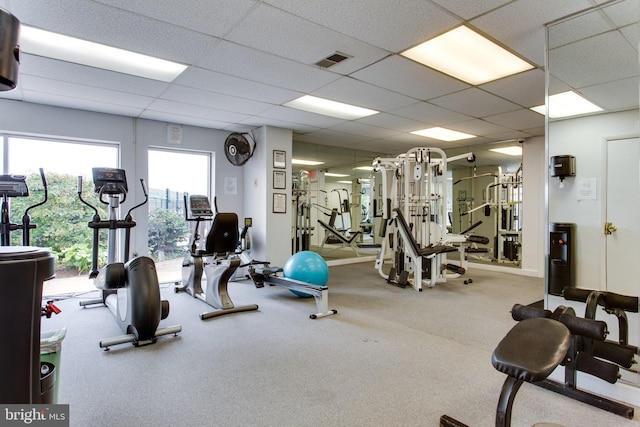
130, 288
16, 186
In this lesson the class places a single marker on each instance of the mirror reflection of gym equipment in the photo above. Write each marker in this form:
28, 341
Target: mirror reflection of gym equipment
501, 210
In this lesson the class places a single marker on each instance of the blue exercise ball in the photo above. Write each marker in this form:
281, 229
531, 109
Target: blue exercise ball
308, 267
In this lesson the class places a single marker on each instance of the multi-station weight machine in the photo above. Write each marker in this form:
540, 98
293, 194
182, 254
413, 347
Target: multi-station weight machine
414, 230
503, 202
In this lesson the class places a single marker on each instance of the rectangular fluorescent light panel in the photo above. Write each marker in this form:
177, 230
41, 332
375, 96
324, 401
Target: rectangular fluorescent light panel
57, 46
327, 107
443, 134
514, 150
567, 104
466, 55
364, 168
337, 175
305, 162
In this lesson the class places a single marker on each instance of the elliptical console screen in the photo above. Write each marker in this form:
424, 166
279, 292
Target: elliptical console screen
200, 206
114, 181
13, 186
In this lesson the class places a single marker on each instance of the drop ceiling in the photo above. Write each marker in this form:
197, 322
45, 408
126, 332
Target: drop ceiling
246, 58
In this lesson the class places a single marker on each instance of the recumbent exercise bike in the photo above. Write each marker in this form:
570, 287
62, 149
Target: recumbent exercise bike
217, 261
129, 288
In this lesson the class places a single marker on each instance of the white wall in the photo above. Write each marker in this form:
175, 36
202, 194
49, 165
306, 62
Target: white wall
534, 170
135, 137
271, 232
583, 138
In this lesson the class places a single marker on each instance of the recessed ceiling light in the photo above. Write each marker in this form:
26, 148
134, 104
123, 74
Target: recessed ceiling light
443, 134
567, 104
327, 107
70, 49
468, 56
364, 168
306, 162
514, 150
337, 175
344, 182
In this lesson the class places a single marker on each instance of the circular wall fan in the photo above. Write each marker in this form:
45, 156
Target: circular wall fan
237, 149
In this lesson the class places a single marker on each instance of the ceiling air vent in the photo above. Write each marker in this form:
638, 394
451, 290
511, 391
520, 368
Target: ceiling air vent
332, 60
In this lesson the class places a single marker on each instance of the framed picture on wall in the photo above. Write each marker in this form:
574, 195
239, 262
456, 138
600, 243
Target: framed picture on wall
279, 179
279, 159
279, 203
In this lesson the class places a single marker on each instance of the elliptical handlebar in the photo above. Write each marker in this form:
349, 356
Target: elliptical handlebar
146, 199
26, 219
96, 216
46, 193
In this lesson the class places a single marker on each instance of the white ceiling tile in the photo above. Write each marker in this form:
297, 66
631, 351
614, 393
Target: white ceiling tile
623, 13
430, 114
100, 23
232, 59
393, 26
90, 93
576, 63
356, 128
182, 109
526, 89
214, 100
230, 85
172, 117
55, 70
272, 30
520, 119
409, 78
478, 127
355, 92
577, 28
617, 95
80, 104
292, 115
265, 63
393, 122
213, 17
470, 9
475, 103
520, 24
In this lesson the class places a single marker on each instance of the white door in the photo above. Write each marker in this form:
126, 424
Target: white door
623, 214
621, 233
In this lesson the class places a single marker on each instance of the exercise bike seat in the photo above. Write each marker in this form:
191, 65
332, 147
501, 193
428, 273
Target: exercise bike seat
224, 236
532, 349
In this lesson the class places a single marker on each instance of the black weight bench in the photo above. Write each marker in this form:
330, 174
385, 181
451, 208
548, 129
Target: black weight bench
529, 352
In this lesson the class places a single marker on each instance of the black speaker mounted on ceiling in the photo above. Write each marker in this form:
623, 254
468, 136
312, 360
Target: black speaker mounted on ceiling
9, 50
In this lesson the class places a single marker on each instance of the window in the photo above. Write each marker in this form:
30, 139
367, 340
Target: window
172, 175
61, 225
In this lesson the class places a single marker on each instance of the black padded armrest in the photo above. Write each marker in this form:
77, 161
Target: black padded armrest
532, 349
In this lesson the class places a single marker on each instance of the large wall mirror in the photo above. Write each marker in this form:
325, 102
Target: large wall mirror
485, 194
594, 157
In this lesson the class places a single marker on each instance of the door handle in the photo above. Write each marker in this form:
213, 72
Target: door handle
609, 228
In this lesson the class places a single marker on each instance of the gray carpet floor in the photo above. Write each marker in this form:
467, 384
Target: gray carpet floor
390, 357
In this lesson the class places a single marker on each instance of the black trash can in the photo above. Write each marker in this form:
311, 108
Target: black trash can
23, 269
47, 382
